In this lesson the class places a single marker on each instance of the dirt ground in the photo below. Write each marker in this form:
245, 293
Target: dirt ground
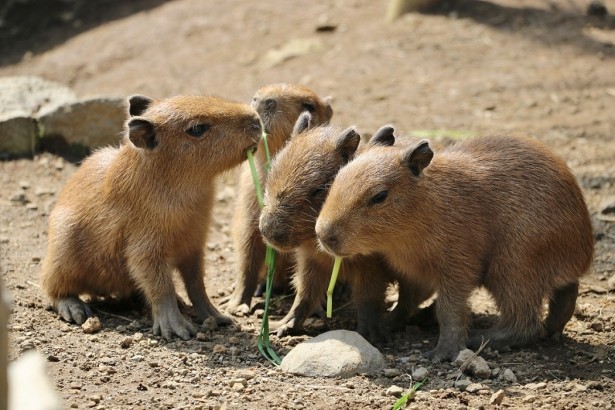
541, 67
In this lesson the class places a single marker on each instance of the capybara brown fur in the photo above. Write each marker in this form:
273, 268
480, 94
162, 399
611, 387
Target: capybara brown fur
131, 215
500, 212
295, 191
279, 106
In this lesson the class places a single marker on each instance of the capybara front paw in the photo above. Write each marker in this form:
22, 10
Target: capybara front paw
236, 308
168, 324
73, 310
284, 328
223, 320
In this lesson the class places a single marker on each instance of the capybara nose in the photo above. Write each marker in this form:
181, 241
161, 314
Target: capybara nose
272, 233
327, 235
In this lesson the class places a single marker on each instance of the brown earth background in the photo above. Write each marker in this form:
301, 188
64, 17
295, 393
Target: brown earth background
538, 67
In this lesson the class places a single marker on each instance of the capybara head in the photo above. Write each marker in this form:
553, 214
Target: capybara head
279, 106
372, 199
207, 133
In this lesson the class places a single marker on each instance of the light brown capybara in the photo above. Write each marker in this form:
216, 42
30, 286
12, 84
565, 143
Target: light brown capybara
131, 215
279, 106
500, 212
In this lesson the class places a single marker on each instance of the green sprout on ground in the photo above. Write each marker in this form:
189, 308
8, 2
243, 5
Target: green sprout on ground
403, 400
264, 346
334, 273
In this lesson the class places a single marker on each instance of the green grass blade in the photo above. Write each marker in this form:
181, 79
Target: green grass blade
403, 400
264, 346
257, 182
336, 270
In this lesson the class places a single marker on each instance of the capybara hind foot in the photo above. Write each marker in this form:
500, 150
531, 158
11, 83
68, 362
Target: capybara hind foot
73, 309
561, 309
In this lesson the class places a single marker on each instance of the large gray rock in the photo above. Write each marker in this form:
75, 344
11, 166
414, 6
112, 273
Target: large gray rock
339, 353
21, 98
18, 136
90, 123
27, 96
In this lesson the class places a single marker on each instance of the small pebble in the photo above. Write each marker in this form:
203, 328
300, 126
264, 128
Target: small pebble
233, 340
462, 384
245, 374
391, 372
509, 376
91, 325
238, 387
219, 349
259, 313
395, 391
597, 326
137, 358
137, 337
126, 342
420, 374
497, 398
209, 324
202, 337
474, 387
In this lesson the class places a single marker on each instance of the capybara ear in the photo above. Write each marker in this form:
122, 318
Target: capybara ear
418, 157
384, 136
137, 104
347, 143
141, 133
328, 109
303, 123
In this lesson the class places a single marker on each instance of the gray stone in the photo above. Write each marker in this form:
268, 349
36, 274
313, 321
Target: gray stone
474, 387
497, 398
477, 367
391, 372
17, 136
509, 376
395, 391
21, 98
90, 123
420, 374
27, 96
462, 384
340, 353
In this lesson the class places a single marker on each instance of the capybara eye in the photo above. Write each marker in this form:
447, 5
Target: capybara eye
309, 107
197, 130
379, 197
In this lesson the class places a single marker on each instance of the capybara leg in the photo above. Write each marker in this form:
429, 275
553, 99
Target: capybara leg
154, 280
561, 309
169, 321
411, 295
311, 286
520, 324
368, 289
251, 255
191, 270
452, 311
73, 309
